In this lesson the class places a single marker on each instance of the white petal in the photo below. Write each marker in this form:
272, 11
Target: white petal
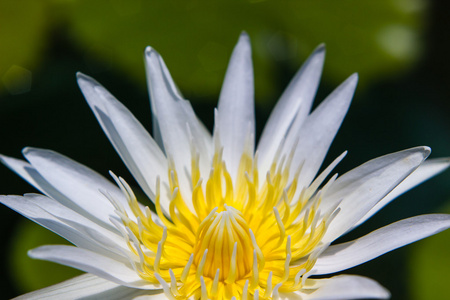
200, 134
90, 230
425, 171
32, 176
179, 127
361, 188
313, 138
29, 173
345, 287
157, 135
295, 101
138, 150
236, 116
88, 287
94, 263
68, 224
78, 186
28, 209
151, 296
21, 167
343, 256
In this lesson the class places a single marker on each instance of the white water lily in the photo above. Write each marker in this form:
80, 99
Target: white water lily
230, 222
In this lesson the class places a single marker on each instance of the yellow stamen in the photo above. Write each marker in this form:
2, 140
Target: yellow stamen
241, 240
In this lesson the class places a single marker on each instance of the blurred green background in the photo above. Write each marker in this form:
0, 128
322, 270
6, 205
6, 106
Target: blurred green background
399, 47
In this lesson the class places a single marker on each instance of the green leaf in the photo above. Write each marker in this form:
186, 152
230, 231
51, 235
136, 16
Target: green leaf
23, 26
374, 38
428, 265
28, 273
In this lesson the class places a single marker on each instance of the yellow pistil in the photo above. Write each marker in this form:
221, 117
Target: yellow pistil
242, 240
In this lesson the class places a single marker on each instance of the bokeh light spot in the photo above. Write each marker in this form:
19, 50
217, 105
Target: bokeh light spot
17, 80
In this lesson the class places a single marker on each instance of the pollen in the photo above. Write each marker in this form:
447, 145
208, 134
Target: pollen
241, 240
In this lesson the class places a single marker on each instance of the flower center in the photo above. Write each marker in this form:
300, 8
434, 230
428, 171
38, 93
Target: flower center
226, 239
242, 240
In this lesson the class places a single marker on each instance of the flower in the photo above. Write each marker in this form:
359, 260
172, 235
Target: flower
230, 222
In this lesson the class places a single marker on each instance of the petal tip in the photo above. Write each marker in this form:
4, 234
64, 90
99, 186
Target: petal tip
150, 53
244, 35
320, 48
83, 77
32, 151
351, 82
148, 50
2, 158
244, 42
85, 81
354, 77
425, 150
32, 253
349, 85
27, 150
79, 75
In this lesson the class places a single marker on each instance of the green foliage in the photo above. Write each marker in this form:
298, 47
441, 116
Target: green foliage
428, 266
22, 39
31, 274
373, 38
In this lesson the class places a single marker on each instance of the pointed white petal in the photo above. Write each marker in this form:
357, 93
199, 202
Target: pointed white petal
345, 287
200, 134
28, 209
79, 186
29, 173
313, 138
295, 101
236, 116
425, 171
361, 188
21, 167
32, 176
138, 150
93, 263
68, 224
343, 256
179, 127
91, 231
88, 287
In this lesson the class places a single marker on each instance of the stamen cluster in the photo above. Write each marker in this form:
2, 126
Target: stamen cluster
241, 240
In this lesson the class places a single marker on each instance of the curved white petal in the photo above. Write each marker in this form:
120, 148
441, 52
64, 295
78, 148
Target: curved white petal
360, 189
157, 135
344, 287
77, 186
32, 176
179, 127
295, 102
92, 231
21, 167
425, 171
89, 287
29, 174
68, 224
93, 263
235, 121
343, 256
138, 150
312, 138
200, 134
